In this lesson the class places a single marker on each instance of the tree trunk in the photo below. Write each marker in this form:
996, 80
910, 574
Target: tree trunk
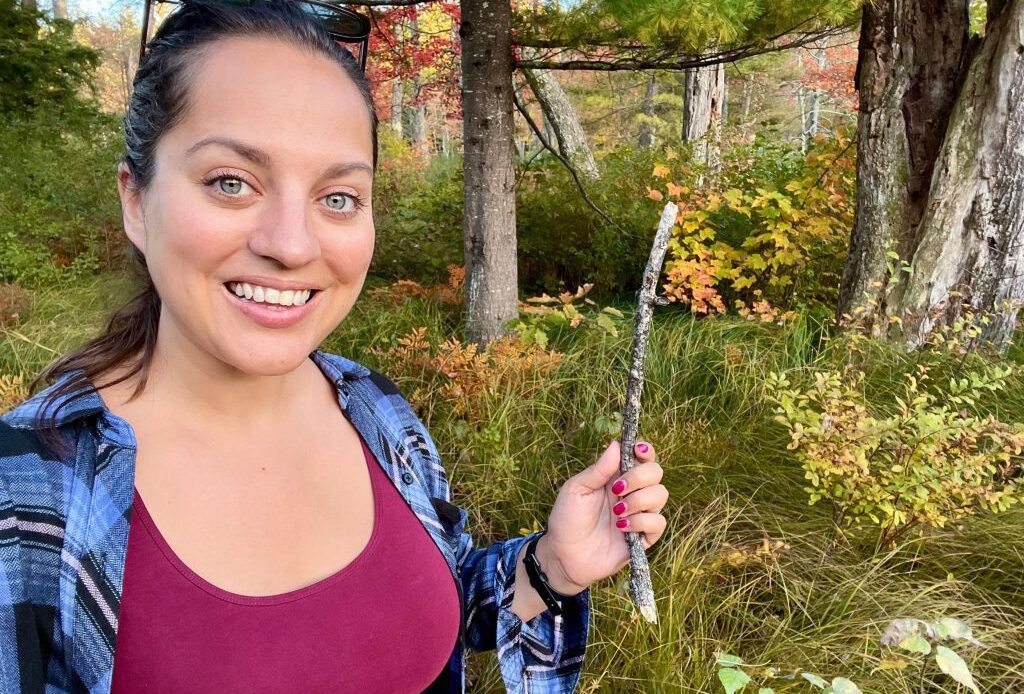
489, 212
397, 90
561, 116
908, 70
29, 4
60, 9
702, 112
646, 138
971, 248
416, 114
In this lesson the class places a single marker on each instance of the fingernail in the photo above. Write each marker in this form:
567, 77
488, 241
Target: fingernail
622, 523
643, 447
618, 487
619, 508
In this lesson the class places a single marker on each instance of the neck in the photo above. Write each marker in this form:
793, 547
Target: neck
208, 392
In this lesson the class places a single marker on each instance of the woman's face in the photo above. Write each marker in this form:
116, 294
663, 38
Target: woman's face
263, 188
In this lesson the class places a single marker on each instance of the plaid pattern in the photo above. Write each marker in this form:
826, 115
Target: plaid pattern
64, 535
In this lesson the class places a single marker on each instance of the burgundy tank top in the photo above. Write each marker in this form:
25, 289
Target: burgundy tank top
386, 622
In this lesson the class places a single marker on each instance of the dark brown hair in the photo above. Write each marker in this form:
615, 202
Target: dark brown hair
159, 102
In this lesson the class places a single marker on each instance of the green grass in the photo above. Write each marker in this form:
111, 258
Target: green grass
814, 604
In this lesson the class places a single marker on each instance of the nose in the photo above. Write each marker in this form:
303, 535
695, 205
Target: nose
284, 233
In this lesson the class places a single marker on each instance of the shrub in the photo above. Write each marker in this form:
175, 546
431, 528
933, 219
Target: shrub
59, 212
925, 465
762, 236
418, 213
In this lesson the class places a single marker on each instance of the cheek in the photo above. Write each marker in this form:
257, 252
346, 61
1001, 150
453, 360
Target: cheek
349, 256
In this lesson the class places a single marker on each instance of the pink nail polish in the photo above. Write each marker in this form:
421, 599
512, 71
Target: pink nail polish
618, 487
622, 523
643, 447
619, 508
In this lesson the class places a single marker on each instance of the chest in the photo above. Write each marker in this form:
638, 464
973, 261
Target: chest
263, 515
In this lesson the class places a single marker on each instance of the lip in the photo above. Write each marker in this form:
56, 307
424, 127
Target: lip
271, 316
272, 283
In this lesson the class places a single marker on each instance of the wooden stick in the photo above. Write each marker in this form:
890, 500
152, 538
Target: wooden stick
640, 589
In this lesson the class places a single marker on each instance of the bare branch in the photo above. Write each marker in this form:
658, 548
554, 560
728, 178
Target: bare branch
640, 589
636, 58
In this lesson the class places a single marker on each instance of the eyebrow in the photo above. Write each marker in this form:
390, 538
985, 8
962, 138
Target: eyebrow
260, 157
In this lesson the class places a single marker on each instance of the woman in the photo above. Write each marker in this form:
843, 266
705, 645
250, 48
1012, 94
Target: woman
202, 500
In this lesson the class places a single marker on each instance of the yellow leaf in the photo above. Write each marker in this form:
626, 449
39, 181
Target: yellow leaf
660, 171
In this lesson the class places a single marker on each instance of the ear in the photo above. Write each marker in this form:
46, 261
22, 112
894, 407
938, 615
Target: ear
131, 207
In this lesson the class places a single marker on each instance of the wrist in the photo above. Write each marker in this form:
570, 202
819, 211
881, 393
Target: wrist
552, 566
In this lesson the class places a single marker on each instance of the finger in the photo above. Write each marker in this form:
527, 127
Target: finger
643, 452
648, 500
652, 525
639, 477
598, 475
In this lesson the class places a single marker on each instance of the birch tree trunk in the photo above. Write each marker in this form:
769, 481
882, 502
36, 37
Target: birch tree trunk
489, 212
971, 249
561, 116
702, 112
645, 140
60, 9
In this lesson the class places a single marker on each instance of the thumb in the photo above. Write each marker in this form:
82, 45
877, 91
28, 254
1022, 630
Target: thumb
601, 472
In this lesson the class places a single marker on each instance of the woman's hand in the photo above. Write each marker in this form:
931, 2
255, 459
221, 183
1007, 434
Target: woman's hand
586, 541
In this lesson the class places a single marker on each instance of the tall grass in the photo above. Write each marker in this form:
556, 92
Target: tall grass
746, 567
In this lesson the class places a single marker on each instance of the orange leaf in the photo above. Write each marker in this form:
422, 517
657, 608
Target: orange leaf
655, 194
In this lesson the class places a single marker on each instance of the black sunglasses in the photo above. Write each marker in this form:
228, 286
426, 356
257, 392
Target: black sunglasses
348, 28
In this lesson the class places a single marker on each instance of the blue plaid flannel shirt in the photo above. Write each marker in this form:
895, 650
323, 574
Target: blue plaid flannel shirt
64, 536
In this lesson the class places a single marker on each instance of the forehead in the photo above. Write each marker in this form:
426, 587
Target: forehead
282, 98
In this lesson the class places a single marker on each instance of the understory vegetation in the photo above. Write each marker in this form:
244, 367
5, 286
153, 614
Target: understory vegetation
748, 567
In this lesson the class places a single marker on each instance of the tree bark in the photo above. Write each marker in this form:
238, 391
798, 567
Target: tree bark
909, 63
971, 248
489, 212
702, 112
397, 89
561, 116
60, 9
645, 140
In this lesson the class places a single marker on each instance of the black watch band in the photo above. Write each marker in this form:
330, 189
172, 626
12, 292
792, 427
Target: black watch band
539, 580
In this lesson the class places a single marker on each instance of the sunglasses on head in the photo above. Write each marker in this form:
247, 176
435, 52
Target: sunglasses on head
348, 28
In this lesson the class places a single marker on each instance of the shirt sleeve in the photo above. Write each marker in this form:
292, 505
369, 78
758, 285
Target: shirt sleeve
543, 654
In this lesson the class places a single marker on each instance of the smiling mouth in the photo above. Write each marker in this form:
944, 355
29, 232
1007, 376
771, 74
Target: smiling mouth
268, 295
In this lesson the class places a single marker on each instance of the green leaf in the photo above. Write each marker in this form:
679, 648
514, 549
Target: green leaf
916, 644
765, 690
950, 628
954, 666
733, 680
841, 685
729, 660
607, 323
815, 680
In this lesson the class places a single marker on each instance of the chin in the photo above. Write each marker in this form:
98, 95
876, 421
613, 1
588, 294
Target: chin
264, 359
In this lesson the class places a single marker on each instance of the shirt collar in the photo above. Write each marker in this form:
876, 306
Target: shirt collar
83, 401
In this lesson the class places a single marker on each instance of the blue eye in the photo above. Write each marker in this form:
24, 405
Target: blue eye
340, 202
230, 186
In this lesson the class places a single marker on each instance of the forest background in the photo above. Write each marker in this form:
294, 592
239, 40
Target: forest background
834, 387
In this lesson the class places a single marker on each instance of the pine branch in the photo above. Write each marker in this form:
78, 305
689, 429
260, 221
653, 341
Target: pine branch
640, 589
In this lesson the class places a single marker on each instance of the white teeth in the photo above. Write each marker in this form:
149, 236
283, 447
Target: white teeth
269, 295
